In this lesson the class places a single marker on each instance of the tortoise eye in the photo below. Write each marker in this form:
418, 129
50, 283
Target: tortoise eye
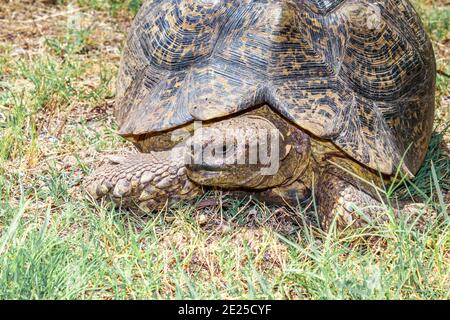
225, 150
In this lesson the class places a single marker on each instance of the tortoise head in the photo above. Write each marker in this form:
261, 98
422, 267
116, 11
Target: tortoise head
256, 150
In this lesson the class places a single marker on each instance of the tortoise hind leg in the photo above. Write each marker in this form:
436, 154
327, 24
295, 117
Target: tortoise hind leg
146, 180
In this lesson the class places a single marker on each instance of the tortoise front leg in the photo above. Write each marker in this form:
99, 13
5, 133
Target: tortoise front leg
146, 180
348, 205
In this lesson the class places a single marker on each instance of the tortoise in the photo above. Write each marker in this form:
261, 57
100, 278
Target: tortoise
348, 85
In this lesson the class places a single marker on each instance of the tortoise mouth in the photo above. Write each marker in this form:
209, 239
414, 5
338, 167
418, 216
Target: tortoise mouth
208, 169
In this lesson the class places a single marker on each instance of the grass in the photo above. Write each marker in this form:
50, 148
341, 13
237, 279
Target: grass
56, 94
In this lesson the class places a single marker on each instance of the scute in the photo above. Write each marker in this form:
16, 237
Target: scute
183, 33
359, 73
385, 58
323, 6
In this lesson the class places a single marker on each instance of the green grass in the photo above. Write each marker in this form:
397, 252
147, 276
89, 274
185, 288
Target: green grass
56, 122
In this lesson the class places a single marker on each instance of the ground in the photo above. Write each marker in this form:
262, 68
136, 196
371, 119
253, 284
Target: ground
58, 62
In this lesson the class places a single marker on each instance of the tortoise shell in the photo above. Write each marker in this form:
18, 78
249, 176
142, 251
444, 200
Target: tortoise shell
358, 73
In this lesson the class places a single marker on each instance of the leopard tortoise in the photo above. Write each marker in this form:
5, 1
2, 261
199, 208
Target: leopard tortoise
348, 85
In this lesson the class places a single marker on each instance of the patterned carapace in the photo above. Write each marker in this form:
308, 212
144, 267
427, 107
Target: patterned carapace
358, 73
